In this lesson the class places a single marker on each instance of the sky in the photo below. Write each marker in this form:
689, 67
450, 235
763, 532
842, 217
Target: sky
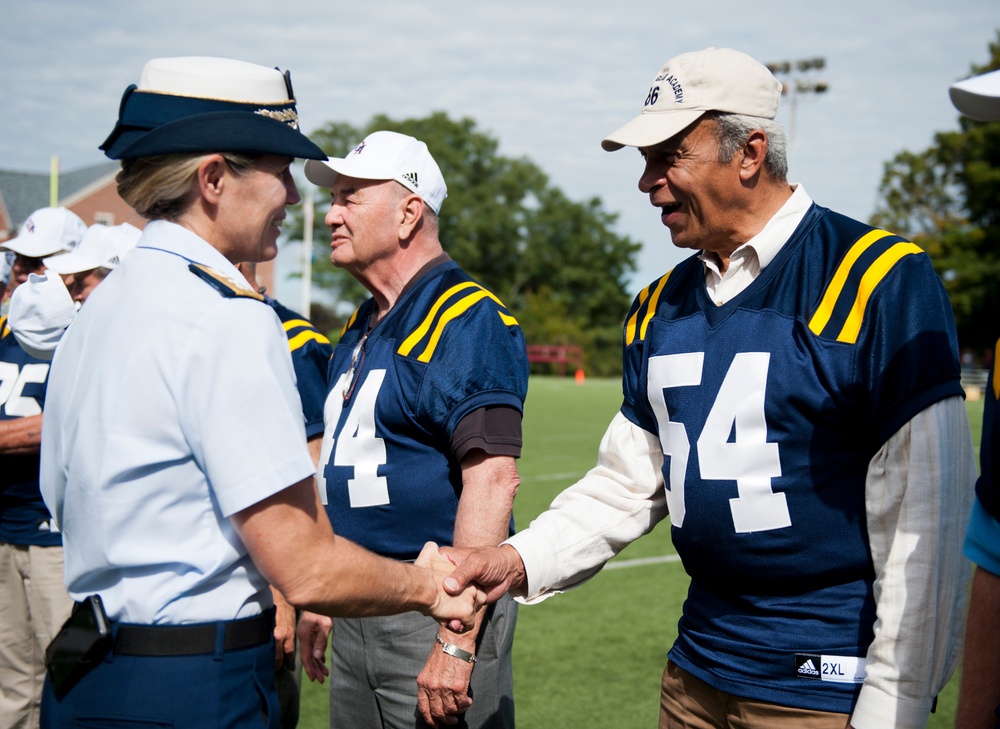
547, 79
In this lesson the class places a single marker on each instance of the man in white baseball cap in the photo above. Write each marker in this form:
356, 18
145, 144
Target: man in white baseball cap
100, 251
46, 232
437, 368
33, 598
979, 697
386, 156
793, 405
44, 306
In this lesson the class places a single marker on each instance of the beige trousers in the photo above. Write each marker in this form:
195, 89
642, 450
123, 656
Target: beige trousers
33, 606
687, 702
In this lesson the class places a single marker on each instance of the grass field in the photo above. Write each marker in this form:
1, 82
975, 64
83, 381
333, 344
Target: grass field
593, 657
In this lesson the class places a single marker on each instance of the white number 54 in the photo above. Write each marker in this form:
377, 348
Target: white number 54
738, 408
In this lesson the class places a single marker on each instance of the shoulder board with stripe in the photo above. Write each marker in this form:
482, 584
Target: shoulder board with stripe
841, 311
300, 331
4, 327
449, 306
223, 284
646, 301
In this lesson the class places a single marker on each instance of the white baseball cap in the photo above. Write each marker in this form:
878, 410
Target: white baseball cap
978, 97
688, 85
47, 231
41, 309
102, 246
386, 156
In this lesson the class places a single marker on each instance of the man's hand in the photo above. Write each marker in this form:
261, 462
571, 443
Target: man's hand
443, 685
314, 632
495, 570
284, 631
455, 609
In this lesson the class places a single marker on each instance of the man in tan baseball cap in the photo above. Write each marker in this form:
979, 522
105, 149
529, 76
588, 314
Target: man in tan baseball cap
792, 405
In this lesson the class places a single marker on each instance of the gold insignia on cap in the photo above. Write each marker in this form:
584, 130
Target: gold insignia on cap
287, 116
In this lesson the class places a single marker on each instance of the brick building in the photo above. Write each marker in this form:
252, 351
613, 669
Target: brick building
89, 192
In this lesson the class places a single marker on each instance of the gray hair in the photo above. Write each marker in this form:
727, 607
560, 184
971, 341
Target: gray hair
732, 130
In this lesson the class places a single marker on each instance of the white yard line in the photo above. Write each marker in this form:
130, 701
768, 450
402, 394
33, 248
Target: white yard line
622, 564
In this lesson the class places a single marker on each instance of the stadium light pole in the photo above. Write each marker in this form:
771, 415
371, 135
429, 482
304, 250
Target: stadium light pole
796, 78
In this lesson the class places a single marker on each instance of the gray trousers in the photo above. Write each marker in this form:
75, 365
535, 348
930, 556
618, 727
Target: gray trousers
375, 662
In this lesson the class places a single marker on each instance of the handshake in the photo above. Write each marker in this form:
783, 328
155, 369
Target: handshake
469, 579
453, 585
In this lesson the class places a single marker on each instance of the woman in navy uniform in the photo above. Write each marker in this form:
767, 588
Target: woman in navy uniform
176, 464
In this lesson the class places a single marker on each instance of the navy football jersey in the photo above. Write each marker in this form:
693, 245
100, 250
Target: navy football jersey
988, 485
769, 409
24, 519
311, 353
447, 348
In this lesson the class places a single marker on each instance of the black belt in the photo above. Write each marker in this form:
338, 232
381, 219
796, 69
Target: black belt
189, 640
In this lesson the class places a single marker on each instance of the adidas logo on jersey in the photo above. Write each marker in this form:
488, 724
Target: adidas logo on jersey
411, 177
806, 666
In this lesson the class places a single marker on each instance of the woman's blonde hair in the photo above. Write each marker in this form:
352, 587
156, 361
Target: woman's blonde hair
162, 187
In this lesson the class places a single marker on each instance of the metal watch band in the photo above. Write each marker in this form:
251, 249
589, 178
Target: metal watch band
454, 650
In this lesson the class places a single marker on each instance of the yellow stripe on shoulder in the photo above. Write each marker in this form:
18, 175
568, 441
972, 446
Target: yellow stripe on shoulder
432, 327
350, 321
4, 328
309, 335
421, 331
508, 319
870, 280
873, 276
451, 313
822, 316
646, 310
295, 323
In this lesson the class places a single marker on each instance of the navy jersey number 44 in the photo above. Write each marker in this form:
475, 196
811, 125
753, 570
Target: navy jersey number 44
447, 348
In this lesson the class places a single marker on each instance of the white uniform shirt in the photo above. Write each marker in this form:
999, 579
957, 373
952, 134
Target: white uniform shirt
170, 407
919, 492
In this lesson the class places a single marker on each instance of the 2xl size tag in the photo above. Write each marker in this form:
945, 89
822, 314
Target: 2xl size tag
838, 669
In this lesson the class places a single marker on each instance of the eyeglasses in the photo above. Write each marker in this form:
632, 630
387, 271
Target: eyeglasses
353, 375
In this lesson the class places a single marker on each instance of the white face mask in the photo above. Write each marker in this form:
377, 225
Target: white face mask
41, 310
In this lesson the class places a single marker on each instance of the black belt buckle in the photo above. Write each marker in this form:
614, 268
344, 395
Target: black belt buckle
82, 643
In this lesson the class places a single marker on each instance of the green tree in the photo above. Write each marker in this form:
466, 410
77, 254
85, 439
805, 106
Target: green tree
555, 262
947, 200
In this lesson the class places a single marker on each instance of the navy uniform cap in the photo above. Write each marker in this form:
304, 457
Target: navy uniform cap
202, 104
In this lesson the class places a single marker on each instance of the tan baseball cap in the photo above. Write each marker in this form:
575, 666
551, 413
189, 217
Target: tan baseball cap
688, 85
